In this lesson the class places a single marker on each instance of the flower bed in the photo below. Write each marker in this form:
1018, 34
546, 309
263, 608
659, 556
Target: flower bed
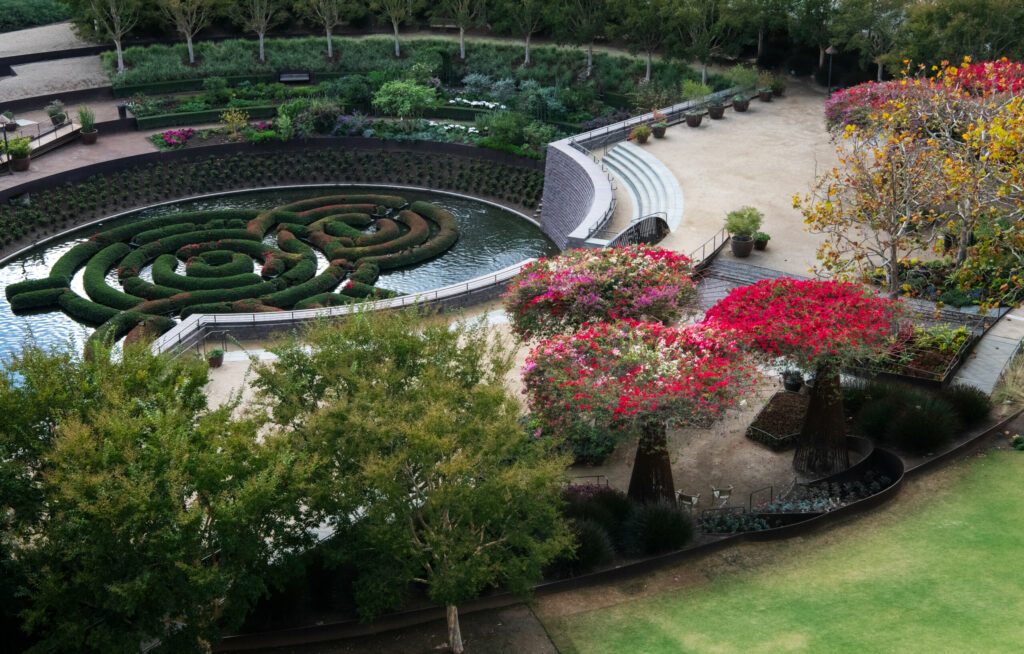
931, 354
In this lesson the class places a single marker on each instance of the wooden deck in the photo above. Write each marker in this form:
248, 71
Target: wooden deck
48, 141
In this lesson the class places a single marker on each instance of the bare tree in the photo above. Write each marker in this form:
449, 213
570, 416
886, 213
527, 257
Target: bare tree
395, 11
330, 14
257, 16
114, 19
188, 16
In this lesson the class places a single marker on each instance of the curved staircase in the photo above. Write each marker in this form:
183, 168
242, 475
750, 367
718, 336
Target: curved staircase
651, 186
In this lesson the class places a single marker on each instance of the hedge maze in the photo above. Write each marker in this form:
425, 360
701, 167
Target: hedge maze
206, 261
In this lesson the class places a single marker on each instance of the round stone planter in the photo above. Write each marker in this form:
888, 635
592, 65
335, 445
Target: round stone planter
89, 138
716, 112
741, 246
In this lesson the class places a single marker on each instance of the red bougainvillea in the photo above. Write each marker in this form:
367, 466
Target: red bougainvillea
637, 282
595, 385
812, 322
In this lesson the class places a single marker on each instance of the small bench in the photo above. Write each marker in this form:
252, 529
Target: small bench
295, 77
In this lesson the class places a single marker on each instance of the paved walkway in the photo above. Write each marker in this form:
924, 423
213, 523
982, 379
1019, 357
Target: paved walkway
993, 353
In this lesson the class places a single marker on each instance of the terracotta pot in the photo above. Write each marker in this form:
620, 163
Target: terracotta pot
716, 112
760, 245
20, 165
764, 96
659, 132
89, 138
693, 120
741, 246
741, 105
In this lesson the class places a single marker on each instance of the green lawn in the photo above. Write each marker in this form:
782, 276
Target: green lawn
940, 572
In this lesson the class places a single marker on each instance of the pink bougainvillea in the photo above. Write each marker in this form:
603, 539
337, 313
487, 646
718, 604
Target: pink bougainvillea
812, 322
612, 376
637, 282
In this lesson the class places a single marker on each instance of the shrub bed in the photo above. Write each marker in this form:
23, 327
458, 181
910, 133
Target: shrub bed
778, 424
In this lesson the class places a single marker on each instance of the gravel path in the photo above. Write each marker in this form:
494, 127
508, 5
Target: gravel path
47, 77
59, 36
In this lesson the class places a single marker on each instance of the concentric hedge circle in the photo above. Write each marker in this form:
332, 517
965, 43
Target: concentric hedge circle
206, 261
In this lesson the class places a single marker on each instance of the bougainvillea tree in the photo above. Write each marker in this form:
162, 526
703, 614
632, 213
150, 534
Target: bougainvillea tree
633, 378
636, 282
819, 326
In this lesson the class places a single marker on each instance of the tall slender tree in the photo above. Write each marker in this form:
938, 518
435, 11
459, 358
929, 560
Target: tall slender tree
329, 14
642, 25
258, 16
465, 14
705, 28
523, 18
811, 23
581, 22
188, 17
872, 27
115, 19
394, 11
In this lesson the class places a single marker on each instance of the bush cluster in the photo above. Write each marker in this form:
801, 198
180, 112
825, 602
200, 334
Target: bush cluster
22, 14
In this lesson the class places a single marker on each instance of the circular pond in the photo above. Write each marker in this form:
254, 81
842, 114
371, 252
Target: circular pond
489, 239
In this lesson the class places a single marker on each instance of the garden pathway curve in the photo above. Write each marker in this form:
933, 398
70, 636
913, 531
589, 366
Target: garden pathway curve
988, 360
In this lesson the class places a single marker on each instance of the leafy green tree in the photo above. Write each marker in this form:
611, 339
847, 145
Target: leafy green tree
812, 24
872, 27
581, 22
423, 466
394, 11
523, 18
404, 98
329, 14
465, 14
134, 513
705, 28
642, 24
952, 29
761, 17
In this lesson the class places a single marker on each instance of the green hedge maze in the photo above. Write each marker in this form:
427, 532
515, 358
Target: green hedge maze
238, 261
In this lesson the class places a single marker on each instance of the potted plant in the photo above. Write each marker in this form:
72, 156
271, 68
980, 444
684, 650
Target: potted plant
743, 80
11, 124
20, 152
778, 86
640, 133
215, 358
87, 119
792, 380
740, 103
716, 109
693, 118
764, 86
57, 112
658, 129
761, 240
741, 225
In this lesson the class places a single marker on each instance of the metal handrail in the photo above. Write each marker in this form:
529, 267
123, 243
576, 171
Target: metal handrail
708, 248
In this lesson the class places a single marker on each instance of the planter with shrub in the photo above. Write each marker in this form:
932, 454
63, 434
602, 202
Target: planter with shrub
761, 240
87, 119
57, 113
20, 152
658, 129
716, 110
741, 225
641, 133
215, 358
693, 118
11, 124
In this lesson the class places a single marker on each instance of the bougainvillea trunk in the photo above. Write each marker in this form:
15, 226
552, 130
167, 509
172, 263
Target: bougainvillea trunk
822, 445
652, 470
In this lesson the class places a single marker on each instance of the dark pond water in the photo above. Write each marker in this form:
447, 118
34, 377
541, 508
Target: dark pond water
490, 239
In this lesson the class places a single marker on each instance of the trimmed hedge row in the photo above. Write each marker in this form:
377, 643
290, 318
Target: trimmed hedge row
33, 286
325, 282
164, 275
84, 310
95, 278
228, 265
35, 300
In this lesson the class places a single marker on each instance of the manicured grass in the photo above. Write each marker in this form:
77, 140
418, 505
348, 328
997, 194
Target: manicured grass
939, 571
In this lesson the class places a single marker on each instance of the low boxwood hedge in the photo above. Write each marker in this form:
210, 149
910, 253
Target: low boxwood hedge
224, 264
33, 286
84, 310
95, 278
45, 298
164, 275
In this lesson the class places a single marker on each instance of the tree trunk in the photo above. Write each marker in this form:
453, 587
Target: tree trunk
760, 42
398, 47
881, 71
894, 270
462, 43
822, 445
652, 470
454, 632
821, 56
191, 51
330, 44
647, 75
963, 244
590, 59
263, 52
526, 60
703, 72
120, 55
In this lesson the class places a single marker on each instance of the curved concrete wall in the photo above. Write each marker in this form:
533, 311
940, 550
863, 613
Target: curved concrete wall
578, 195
